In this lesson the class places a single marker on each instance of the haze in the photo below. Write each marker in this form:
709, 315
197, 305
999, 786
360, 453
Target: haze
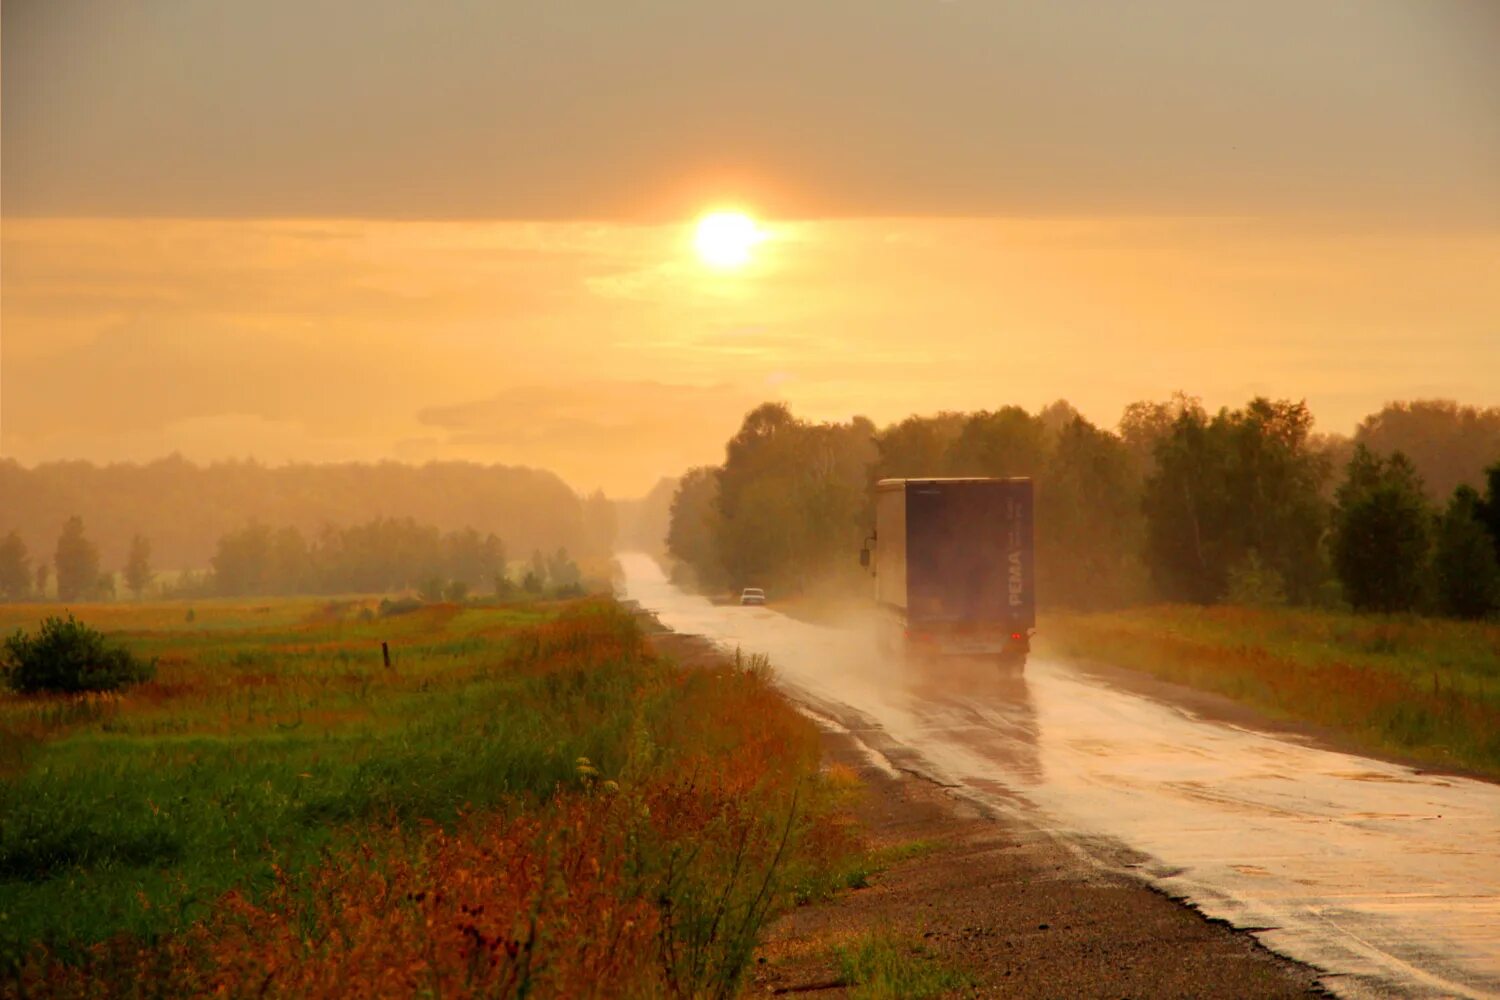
378, 230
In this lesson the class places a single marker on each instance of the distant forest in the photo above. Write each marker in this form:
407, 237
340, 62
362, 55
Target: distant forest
1176, 503
183, 510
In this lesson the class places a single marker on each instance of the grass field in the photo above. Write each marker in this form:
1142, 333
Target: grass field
1420, 687
528, 799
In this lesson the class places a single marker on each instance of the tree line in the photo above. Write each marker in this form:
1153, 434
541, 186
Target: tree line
185, 508
1176, 503
384, 555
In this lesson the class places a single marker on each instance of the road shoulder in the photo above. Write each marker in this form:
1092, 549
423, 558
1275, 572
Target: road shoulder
1016, 911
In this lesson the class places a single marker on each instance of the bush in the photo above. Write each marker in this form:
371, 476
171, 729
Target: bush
400, 606
1253, 583
67, 657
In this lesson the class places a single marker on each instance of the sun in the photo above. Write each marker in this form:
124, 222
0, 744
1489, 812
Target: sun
725, 239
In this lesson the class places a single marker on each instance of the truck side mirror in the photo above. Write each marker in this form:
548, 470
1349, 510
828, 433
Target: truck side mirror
864, 558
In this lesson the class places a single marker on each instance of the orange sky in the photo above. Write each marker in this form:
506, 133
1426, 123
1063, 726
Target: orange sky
611, 354
366, 229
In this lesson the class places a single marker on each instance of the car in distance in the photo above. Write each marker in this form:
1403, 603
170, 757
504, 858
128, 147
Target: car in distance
752, 595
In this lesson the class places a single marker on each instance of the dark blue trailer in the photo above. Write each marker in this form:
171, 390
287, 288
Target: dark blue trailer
954, 565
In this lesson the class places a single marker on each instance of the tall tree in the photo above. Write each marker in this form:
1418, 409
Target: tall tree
693, 525
1465, 568
15, 568
1145, 424
1488, 509
77, 562
138, 566
242, 562
1186, 505
917, 447
1381, 533
1245, 484
1006, 442
562, 570
1089, 524
793, 498
1446, 443
1277, 478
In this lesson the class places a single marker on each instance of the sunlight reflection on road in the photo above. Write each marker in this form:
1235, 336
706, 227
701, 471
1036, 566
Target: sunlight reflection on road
1387, 878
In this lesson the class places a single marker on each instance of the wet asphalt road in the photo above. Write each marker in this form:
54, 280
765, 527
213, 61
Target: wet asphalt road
1386, 879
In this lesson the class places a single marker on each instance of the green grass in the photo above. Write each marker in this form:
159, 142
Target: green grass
1425, 688
264, 736
880, 965
865, 866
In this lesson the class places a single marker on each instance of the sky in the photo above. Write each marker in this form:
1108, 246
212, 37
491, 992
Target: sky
338, 230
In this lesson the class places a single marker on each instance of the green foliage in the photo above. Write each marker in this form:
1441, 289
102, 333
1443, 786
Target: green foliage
1423, 687
138, 566
1146, 424
281, 742
1465, 569
1089, 523
1242, 480
859, 868
881, 965
381, 556
184, 508
1488, 509
792, 499
917, 446
1207, 507
1007, 442
66, 657
1381, 533
15, 568
403, 606
1254, 583
562, 571
77, 561
695, 526
1449, 445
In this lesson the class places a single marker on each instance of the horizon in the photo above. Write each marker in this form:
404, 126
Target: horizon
583, 491
470, 231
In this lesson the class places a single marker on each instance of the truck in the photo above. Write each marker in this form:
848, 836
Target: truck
954, 567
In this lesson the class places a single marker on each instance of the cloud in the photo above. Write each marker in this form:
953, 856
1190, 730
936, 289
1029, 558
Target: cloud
381, 108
